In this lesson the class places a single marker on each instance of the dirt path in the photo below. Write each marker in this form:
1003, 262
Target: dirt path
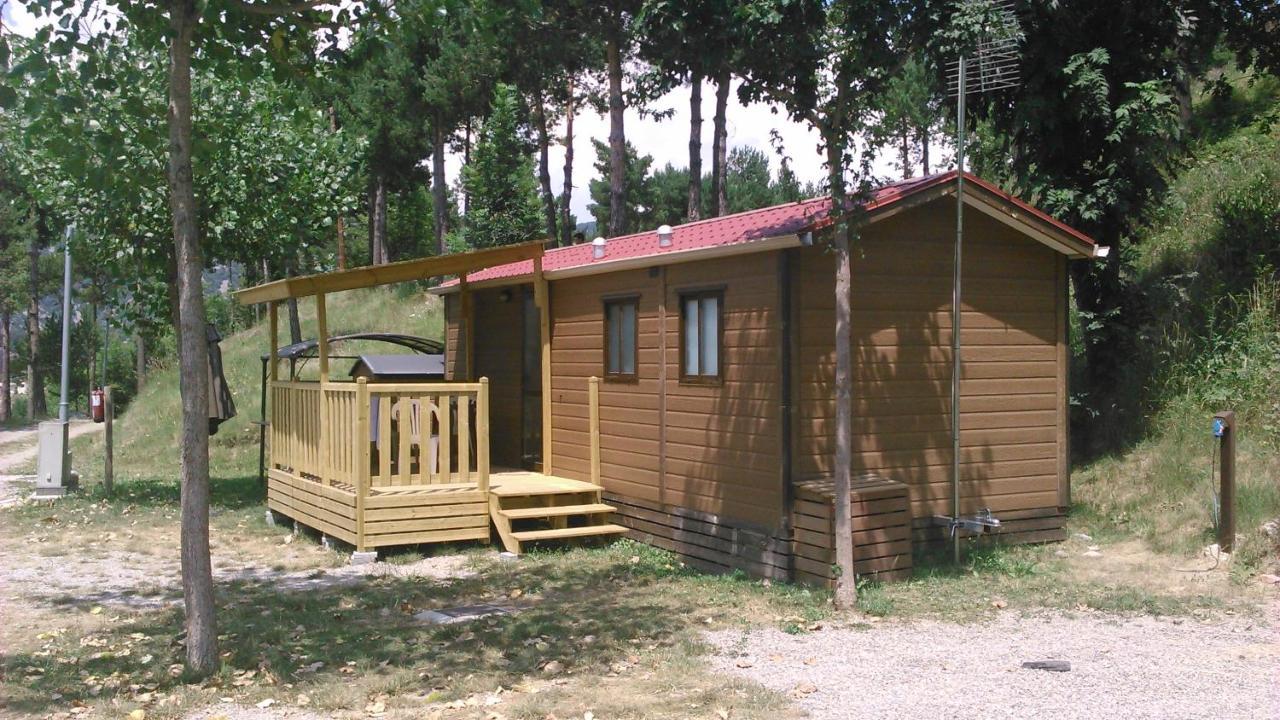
1132, 667
18, 447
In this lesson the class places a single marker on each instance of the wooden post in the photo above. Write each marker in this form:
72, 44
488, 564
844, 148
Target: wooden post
594, 428
1064, 402
322, 337
274, 331
467, 330
543, 301
1227, 473
108, 470
362, 459
482, 435
322, 347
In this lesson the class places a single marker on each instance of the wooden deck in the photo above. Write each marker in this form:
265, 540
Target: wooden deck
380, 464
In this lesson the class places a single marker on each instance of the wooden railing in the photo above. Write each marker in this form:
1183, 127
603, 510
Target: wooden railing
367, 435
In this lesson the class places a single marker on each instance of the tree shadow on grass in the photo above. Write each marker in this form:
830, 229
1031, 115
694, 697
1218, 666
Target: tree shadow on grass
583, 612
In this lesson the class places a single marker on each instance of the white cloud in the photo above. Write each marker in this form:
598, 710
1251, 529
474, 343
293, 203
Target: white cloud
17, 20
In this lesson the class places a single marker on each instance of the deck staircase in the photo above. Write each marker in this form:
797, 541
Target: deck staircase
531, 507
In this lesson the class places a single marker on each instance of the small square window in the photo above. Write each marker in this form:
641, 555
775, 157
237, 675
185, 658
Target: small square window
621, 335
701, 329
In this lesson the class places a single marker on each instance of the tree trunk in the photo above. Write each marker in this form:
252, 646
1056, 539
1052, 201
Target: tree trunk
617, 143
342, 221
295, 322
6, 392
924, 151
544, 166
720, 147
35, 380
846, 588
566, 232
906, 153
193, 354
439, 198
694, 210
378, 216
140, 359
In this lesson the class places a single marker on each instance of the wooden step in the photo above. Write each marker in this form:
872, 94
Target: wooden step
587, 531
555, 511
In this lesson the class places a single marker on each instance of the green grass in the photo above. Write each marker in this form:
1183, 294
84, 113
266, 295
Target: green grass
995, 579
1205, 269
147, 432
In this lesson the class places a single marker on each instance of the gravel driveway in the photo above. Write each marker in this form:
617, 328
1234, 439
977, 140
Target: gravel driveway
1130, 668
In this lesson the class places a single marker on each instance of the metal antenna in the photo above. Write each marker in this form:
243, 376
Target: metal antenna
991, 66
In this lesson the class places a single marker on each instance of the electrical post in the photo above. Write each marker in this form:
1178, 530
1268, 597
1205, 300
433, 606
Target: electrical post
1224, 429
108, 469
53, 463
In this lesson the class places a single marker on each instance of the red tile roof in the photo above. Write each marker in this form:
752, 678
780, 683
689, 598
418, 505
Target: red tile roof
741, 228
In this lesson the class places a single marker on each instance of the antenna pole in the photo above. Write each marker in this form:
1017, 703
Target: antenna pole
955, 312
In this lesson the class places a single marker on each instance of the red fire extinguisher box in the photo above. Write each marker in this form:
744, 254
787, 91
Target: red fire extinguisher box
97, 405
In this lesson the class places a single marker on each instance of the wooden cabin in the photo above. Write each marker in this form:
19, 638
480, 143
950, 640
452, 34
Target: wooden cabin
703, 367
678, 387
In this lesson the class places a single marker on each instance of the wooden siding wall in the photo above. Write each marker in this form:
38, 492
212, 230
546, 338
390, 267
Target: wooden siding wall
721, 443
1012, 390
452, 332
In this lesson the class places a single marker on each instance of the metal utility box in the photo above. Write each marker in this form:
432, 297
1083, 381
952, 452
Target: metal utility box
53, 464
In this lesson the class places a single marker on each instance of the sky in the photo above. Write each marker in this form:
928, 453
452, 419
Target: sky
667, 141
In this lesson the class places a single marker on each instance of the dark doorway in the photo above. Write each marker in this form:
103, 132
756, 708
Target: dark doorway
531, 386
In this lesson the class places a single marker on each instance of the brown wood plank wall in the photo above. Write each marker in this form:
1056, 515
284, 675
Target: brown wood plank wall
717, 448
1011, 391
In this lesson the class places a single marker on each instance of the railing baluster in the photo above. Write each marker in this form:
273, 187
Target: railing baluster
464, 437
384, 441
446, 439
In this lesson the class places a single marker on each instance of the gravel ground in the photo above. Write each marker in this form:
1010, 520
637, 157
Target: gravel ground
1137, 667
18, 447
145, 581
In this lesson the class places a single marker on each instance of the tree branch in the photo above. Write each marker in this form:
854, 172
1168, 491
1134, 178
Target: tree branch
280, 8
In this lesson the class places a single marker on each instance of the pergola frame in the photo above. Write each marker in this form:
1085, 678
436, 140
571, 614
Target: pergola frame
459, 264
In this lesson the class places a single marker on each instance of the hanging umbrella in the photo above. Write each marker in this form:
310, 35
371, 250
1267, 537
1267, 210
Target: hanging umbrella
221, 406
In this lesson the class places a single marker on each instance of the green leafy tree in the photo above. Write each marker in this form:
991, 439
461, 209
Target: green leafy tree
504, 206
913, 115
17, 231
1110, 72
748, 184
640, 198
670, 193
220, 35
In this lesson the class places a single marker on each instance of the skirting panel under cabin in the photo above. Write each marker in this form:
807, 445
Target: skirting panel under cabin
882, 530
705, 541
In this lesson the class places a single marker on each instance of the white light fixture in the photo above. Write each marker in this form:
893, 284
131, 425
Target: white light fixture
1101, 251
664, 236
597, 248
806, 239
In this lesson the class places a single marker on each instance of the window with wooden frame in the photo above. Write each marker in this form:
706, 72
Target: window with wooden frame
621, 337
701, 336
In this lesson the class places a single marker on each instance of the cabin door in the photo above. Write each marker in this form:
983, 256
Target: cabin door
531, 386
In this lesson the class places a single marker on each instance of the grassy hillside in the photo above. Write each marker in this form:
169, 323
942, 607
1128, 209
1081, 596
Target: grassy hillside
1206, 268
147, 433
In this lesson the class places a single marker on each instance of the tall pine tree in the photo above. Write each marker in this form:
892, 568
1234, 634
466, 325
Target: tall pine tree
499, 180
